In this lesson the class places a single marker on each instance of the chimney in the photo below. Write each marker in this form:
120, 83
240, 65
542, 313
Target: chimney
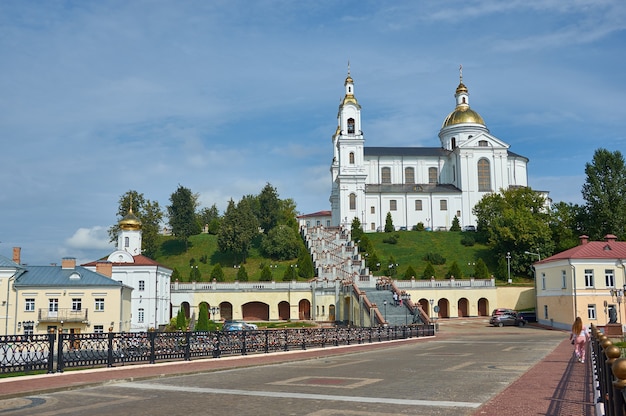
68, 263
584, 239
105, 268
17, 255
610, 238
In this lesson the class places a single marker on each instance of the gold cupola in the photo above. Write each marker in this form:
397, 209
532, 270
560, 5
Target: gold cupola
462, 114
130, 222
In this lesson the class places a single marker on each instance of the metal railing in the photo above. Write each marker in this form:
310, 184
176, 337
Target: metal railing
54, 352
610, 373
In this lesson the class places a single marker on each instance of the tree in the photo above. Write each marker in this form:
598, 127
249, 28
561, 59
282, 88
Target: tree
217, 273
391, 267
389, 228
195, 275
203, 318
455, 224
429, 271
305, 263
454, 271
566, 225
242, 274
514, 221
269, 208
356, 229
604, 192
481, 271
287, 213
372, 261
290, 273
239, 226
209, 217
181, 320
365, 244
175, 275
266, 274
281, 243
182, 216
409, 273
150, 215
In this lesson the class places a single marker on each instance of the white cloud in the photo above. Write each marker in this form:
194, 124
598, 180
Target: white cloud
95, 237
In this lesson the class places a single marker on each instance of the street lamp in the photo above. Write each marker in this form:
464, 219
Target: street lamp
432, 301
617, 295
405, 298
214, 310
535, 273
508, 265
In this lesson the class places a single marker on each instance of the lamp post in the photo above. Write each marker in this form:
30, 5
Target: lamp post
214, 310
432, 301
617, 295
508, 265
405, 298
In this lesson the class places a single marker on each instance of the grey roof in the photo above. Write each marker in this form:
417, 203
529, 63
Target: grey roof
5, 262
38, 276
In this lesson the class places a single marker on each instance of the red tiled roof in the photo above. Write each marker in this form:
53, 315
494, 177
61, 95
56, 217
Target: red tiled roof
140, 260
609, 249
317, 214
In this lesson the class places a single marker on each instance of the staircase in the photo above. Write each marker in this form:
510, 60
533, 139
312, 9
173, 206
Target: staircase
394, 314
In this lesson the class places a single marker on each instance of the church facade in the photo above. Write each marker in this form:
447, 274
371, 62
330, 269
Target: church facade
428, 185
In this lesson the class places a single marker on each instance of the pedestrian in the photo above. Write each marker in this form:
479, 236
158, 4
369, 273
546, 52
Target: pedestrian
579, 336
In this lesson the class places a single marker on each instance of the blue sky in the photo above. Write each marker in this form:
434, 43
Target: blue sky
101, 97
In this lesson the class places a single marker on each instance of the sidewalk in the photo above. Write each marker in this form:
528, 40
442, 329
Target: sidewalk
557, 385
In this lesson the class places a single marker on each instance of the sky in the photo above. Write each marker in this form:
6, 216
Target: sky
222, 97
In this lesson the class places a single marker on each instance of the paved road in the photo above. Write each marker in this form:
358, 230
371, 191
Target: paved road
453, 374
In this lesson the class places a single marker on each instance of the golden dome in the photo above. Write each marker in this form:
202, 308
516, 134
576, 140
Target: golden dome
461, 115
130, 222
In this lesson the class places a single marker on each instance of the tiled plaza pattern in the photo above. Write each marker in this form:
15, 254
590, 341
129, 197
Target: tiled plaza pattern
557, 385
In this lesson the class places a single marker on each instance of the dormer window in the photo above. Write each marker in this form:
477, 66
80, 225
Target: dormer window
350, 126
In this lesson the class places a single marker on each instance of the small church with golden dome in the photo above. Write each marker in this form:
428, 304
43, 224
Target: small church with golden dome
428, 185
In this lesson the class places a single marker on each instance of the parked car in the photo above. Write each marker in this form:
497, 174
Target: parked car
502, 311
469, 228
238, 326
528, 316
507, 319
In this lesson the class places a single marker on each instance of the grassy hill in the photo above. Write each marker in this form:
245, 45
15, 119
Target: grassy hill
410, 249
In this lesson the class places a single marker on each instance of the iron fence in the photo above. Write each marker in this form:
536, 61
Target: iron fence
55, 352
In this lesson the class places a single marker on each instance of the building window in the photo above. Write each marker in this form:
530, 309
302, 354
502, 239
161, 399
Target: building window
126, 242
418, 205
99, 304
142, 285
545, 311
351, 158
563, 279
318, 223
543, 281
443, 205
432, 175
372, 210
29, 328
458, 214
609, 278
53, 305
588, 278
77, 304
29, 306
140, 315
350, 126
308, 224
385, 175
373, 226
328, 223
409, 175
393, 205
352, 202
482, 143
98, 329
591, 312
484, 175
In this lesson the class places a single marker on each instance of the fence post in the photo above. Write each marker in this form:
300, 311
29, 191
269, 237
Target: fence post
110, 346
617, 401
188, 346
619, 371
267, 341
60, 360
51, 339
216, 345
152, 338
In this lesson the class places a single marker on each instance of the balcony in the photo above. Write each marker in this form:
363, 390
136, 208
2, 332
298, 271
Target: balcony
63, 314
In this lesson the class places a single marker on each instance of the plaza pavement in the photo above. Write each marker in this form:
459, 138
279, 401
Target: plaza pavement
556, 385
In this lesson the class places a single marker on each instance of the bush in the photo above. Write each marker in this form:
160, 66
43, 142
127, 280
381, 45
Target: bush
468, 240
392, 239
435, 258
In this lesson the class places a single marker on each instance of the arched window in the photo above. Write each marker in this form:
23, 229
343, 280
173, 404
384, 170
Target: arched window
432, 175
350, 126
385, 175
352, 201
484, 175
351, 158
409, 175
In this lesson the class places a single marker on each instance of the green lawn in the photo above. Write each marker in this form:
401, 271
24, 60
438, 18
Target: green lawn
410, 249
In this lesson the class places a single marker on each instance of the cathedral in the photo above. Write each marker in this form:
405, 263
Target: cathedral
428, 185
